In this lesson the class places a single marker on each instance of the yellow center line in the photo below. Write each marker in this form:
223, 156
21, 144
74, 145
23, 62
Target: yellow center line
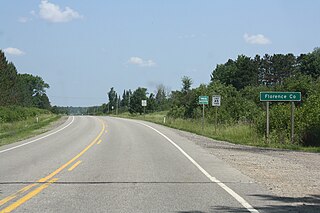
99, 141
73, 159
45, 179
28, 196
7, 199
74, 165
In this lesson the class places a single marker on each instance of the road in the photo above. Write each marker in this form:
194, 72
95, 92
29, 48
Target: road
105, 164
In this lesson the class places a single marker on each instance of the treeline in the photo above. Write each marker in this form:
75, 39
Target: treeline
131, 101
239, 83
23, 90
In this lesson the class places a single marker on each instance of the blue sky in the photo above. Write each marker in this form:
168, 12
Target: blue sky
83, 48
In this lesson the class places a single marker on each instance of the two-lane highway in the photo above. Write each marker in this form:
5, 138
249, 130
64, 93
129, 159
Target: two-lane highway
103, 164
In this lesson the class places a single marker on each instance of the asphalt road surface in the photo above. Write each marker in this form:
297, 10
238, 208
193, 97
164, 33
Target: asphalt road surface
104, 164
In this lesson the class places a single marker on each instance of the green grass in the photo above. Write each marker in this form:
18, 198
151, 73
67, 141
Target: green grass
234, 133
19, 130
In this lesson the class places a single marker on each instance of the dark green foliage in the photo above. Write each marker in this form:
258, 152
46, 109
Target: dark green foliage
162, 101
135, 101
151, 103
186, 83
268, 70
186, 99
113, 98
239, 83
125, 102
240, 73
309, 64
18, 113
309, 116
21, 89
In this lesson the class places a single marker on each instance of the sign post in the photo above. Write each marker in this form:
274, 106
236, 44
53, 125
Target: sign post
281, 96
204, 100
268, 122
292, 121
216, 102
144, 104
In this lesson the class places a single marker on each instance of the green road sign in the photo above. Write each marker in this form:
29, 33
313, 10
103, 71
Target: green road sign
280, 96
203, 99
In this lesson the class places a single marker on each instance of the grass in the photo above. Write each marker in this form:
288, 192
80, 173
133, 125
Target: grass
19, 130
235, 133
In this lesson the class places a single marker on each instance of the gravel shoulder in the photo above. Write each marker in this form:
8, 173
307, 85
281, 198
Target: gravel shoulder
287, 174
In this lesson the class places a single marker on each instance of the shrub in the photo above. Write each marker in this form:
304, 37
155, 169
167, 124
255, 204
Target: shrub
17, 113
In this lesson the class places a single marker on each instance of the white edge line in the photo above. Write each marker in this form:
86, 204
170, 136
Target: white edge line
241, 200
15, 147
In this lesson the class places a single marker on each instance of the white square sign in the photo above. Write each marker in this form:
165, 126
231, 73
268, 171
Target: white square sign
216, 100
144, 103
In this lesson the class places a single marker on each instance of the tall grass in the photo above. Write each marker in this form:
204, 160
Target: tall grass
238, 133
18, 123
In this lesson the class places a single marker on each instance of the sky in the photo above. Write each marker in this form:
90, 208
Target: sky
83, 48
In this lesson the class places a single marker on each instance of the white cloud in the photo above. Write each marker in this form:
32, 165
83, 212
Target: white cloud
140, 62
52, 13
256, 39
13, 51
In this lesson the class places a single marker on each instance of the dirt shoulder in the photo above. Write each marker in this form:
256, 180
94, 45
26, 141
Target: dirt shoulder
286, 173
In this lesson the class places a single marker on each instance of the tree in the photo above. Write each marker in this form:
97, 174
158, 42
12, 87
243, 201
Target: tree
151, 103
21, 89
125, 102
161, 100
8, 81
224, 73
186, 83
32, 91
42, 101
184, 101
135, 101
309, 64
240, 73
246, 74
112, 98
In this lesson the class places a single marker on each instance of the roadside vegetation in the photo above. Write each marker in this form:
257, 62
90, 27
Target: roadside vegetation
24, 105
241, 116
19, 123
238, 133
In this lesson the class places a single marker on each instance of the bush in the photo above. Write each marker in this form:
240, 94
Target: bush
280, 124
17, 113
309, 118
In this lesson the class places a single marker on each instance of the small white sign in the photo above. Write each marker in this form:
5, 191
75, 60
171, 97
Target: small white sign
144, 103
216, 100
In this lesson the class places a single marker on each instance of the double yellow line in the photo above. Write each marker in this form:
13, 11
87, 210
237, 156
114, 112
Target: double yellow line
46, 181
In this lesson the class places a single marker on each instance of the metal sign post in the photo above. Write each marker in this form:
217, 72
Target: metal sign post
292, 122
203, 100
144, 104
202, 117
268, 122
216, 102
